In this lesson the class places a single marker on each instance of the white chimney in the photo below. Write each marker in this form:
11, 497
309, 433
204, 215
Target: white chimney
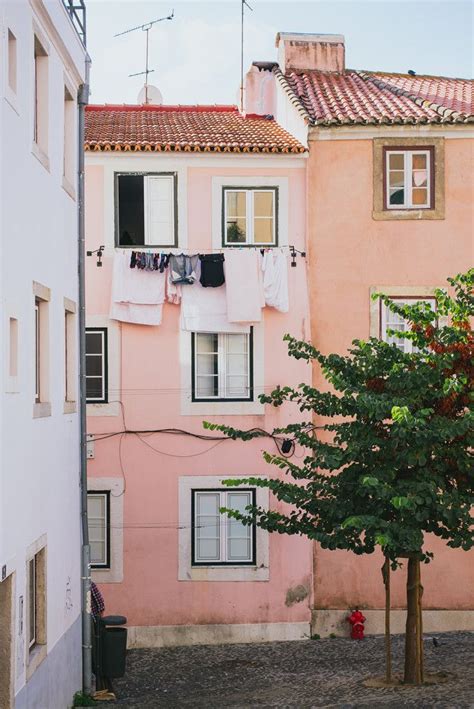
310, 52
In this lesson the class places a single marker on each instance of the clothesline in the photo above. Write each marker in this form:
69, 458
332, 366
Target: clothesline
211, 299
175, 250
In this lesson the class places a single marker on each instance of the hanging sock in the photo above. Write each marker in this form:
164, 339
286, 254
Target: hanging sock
212, 270
133, 259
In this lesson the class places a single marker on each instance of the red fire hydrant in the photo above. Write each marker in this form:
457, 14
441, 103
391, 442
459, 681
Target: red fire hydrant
357, 620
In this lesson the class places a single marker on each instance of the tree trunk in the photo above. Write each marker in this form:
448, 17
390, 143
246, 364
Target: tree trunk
388, 644
413, 633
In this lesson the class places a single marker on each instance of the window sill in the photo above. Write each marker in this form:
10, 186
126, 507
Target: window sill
227, 573
68, 187
111, 409
403, 214
12, 99
40, 155
70, 407
222, 408
35, 657
41, 409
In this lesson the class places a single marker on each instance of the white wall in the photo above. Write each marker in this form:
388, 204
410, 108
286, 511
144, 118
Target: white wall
39, 458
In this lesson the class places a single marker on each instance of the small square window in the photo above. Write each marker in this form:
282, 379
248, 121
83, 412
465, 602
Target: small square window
250, 216
390, 321
96, 366
409, 178
98, 515
146, 209
216, 538
222, 366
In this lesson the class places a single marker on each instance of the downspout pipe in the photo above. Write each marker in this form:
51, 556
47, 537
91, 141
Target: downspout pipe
82, 101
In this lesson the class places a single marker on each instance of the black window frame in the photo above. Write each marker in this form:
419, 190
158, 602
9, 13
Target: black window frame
198, 399
105, 399
201, 564
118, 245
251, 188
107, 528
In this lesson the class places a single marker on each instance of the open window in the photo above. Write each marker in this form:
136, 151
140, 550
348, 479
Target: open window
145, 209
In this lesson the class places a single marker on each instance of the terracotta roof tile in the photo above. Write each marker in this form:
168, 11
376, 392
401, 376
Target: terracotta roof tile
361, 98
184, 128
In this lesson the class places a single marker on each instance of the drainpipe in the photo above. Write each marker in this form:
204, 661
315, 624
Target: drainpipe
82, 100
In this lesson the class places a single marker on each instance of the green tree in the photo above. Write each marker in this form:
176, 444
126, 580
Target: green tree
391, 458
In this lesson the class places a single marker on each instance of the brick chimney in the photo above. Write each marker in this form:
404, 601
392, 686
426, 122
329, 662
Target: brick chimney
299, 51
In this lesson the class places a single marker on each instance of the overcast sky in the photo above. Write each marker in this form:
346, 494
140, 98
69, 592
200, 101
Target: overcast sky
196, 56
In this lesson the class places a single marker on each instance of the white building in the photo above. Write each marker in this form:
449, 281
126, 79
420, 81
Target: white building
42, 60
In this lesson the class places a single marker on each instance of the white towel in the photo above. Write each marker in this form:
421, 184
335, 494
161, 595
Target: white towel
275, 279
137, 295
205, 310
243, 278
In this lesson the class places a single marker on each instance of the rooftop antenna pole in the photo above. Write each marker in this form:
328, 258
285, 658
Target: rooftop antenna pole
146, 27
244, 3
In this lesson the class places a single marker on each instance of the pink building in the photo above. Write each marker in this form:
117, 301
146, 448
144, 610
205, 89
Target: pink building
390, 208
380, 197
191, 180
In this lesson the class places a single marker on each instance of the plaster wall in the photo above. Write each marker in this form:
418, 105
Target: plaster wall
39, 444
350, 252
150, 389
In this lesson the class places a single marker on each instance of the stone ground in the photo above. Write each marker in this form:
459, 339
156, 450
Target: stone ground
306, 673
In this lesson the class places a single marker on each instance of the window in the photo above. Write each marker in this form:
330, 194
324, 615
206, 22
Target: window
69, 351
408, 179
217, 538
69, 137
250, 216
13, 354
146, 209
394, 321
222, 366
41, 353
37, 350
12, 61
96, 365
41, 116
36, 601
98, 514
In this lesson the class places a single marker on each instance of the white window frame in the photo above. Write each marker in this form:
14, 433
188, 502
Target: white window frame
170, 177
222, 345
407, 179
259, 572
103, 376
224, 528
249, 215
404, 344
105, 495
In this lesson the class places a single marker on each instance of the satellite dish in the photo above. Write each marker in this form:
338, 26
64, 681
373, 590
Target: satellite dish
150, 95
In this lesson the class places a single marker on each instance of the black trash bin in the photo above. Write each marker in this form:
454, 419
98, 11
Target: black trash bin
114, 646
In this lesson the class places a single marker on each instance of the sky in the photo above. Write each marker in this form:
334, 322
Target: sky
196, 56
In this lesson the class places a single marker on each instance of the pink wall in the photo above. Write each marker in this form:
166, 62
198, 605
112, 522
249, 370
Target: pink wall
150, 391
349, 253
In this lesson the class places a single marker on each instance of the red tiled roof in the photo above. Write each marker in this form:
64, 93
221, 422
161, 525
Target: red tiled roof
184, 128
362, 97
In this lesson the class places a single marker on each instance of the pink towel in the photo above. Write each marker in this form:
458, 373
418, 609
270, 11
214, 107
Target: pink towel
243, 278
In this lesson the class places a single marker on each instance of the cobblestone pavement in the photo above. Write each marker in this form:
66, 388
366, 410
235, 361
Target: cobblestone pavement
306, 673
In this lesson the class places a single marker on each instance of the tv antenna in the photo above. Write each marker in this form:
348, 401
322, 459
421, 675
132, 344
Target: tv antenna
146, 27
244, 4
